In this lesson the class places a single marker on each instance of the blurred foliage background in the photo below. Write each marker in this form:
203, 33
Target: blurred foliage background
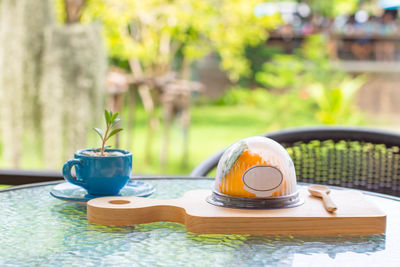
146, 43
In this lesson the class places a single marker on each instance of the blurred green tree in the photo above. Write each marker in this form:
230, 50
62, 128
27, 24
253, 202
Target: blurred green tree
333, 8
310, 70
155, 31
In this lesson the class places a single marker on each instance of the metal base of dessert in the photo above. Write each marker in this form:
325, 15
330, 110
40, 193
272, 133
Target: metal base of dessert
223, 200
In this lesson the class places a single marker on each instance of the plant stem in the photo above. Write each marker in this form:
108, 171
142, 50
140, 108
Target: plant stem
104, 140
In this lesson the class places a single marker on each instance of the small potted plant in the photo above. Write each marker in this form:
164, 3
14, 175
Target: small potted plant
101, 171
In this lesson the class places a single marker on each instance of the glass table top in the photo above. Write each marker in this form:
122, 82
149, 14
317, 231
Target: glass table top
39, 230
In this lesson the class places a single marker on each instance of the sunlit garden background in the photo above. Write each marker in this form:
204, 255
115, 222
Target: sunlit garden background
189, 77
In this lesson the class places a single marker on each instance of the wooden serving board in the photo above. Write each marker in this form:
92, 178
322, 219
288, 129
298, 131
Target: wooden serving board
355, 215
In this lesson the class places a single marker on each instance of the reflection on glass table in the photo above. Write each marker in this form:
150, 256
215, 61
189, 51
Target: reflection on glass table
37, 229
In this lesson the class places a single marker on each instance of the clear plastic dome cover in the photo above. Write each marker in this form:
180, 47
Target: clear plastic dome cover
255, 168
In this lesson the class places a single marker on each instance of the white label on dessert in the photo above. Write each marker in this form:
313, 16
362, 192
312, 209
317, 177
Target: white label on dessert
262, 180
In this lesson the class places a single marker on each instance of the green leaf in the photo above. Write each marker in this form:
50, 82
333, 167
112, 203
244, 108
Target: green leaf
99, 132
107, 116
114, 132
114, 116
115, 122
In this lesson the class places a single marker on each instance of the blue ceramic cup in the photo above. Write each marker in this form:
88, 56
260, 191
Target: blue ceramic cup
100, 176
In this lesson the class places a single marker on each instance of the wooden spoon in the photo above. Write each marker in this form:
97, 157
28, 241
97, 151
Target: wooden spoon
322, 191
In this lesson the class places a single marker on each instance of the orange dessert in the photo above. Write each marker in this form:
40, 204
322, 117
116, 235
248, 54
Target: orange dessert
256, 167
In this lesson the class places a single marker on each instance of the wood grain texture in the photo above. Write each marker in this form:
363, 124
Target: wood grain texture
355, 215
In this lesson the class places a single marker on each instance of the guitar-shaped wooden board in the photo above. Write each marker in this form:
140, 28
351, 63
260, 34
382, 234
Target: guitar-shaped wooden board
355, 215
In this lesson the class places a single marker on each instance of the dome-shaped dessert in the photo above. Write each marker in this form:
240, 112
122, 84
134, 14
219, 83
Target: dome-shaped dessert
255, 172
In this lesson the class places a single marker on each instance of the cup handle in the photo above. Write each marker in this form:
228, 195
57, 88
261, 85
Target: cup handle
67, 172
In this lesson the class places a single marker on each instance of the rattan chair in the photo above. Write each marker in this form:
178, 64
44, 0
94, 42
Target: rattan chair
361, 158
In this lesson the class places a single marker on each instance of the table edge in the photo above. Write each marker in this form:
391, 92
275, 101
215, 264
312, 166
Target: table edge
146, 178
